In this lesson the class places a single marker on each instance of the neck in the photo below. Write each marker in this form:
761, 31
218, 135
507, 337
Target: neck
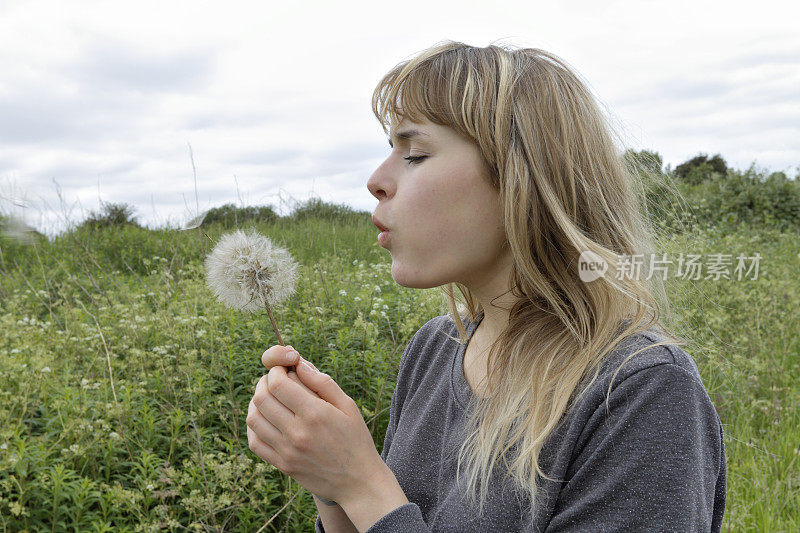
493, 323
494, 294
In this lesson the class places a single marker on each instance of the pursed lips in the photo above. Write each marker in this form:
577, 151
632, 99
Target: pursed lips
378, 224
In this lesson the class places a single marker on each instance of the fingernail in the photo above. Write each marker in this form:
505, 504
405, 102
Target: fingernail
311, 368
290, 355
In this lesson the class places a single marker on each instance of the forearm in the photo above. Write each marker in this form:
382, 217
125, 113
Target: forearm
378, 496
333, 518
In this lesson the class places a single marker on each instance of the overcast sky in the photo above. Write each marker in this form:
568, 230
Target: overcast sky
102, 100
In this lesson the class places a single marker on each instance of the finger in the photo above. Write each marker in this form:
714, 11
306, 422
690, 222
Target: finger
290, 395
273, 410
265, 430
310, 363
263, 450
279, 355
294, 377
291, 374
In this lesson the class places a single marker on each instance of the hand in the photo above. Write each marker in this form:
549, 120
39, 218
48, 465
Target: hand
286, 356
311, 430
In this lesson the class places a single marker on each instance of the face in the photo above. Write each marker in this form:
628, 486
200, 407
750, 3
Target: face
445, 220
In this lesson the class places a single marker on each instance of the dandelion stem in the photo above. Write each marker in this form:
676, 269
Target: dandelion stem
275, 327
272, 319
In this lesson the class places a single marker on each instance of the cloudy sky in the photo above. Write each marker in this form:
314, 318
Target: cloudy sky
111, 100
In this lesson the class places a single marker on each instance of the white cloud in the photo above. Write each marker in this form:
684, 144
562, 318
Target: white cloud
104, 97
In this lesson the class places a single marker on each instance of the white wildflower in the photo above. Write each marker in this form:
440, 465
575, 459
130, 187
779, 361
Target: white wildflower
46, 369
247, 271
342, 292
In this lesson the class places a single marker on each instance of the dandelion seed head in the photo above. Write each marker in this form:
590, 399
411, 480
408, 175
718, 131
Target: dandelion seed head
245, 270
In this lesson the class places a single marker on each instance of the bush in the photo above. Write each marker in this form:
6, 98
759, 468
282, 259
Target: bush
749, 198
230, 216
14, 229
666, 207
700, 168
316, 208
111, 215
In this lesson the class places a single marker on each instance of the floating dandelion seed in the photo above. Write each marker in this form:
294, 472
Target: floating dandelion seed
196, 222
14, 228
247, 271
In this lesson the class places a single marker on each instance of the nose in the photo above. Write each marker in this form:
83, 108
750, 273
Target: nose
380, 184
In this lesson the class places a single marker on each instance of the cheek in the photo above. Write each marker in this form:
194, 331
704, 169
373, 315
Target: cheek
438, 202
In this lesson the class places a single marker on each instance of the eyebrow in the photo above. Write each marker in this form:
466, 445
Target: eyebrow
407, 134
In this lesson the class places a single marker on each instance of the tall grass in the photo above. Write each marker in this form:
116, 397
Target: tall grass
124, 385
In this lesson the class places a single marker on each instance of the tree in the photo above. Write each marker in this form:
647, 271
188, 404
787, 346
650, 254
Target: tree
111, 214
644, 160
700, 168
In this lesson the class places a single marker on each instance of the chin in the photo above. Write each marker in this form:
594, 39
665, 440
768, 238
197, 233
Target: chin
414, 278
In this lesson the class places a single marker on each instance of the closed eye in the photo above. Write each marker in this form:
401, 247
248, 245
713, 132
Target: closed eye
414, 159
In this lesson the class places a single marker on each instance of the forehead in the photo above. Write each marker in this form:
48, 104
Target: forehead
405, 130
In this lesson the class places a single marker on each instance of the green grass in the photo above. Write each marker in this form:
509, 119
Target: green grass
170, 452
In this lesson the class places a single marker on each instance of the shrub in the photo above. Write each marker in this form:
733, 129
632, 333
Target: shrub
317, 208
666, 207
230, 216
111, 214
749, 198
700, 168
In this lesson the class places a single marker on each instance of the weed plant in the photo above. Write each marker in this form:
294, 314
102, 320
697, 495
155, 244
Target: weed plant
124, 384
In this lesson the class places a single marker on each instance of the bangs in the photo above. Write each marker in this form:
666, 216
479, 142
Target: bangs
419, 89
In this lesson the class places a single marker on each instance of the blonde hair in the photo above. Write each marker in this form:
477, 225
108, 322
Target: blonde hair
564, 190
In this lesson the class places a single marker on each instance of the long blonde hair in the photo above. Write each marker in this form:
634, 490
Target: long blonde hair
564, 190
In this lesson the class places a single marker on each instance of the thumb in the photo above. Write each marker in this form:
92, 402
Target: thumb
324, 385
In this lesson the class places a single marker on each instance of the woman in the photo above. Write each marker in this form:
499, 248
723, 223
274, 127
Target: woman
502, 180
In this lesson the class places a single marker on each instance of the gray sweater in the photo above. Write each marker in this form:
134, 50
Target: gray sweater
654, 462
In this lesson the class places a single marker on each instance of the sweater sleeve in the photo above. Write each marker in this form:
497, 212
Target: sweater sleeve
654, 461
407, 517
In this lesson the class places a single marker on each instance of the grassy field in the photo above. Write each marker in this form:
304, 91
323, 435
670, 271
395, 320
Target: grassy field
124, 384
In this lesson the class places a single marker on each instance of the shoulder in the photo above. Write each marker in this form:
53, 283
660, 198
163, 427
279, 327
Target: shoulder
439, 330
436, 336
643, 443
647, 381
648, 352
